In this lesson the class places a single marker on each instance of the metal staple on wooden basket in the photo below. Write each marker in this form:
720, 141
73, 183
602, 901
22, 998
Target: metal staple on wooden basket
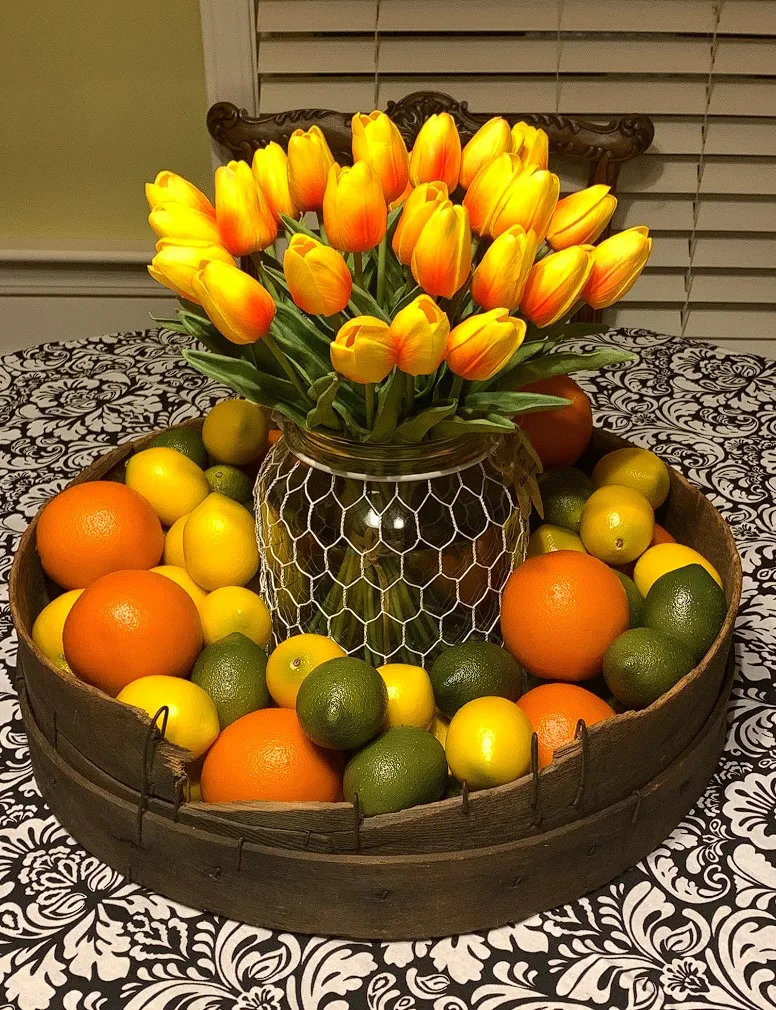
581, 734
150, 739
536, 796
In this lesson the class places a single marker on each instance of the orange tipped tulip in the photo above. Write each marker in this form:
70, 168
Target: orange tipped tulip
363, 350
483, 344
436, 155
499, 280
402, 197
318, 277
418, 208
237, 304
309, 161
442, 257
270, 170
168, 187
354, 212
491, 140
176, 220
529, 200
617, 263
555, 284
487, 187
178, 260
244, 219
581, 217
377, 141
419, 332
531, 145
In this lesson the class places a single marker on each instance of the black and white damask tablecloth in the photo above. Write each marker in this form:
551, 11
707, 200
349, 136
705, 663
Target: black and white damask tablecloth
692, 927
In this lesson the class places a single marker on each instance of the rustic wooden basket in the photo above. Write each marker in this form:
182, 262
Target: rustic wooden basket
459, 865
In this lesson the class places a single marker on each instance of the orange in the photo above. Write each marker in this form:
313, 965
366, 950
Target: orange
266, 756
131, 624
560, 612
661, 536
559, 437
94, 528
554, 711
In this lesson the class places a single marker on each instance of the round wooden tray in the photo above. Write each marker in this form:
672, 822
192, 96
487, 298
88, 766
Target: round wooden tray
607, 800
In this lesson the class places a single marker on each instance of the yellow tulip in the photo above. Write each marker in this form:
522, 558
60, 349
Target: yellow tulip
178, 260
318, 277
483, 344
531, 145
377, 141
270, 170
555, 284
168, 187
581, 217
244, 218
442, 257
418, 208
491, 140
436, 154
236, 303
402, 197
363, 350
354, 210
529, 200
419, 332
176, 220
309, 161
499, 280
617, 263
487, 187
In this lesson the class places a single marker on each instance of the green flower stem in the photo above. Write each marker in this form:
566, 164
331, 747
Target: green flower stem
456, 301
455, 392
542, 251
270, 250
381, 253
358, 269
285, 364
409, 391
321, 229
264, 277
336, 321
369, 395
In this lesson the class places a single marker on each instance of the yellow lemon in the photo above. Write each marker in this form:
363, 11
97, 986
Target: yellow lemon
546, 538
235, 432
219, 543
410, 695
234, 608
489, 743
664, 558
184, 580
170, 481
47, 629
639, 469
439, 727
192, 720
173, 543
292, 660
617, 524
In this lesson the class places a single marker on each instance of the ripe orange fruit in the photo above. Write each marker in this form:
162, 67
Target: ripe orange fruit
661, 536
131, 624
560, 612
265, 756
94, 528
554, 711
559, 437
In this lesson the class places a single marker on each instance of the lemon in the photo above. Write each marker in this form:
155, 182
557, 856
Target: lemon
178, 574
410, 695
173, 543
235, 432
439, 727
489, 743
546, 538
639, 469
617, 524
168, 480
192, 720
234, 608
664, 558
47, 629
292, 660
219, 543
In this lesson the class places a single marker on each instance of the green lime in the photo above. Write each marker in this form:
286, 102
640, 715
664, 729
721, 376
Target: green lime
342, 703
233, 672
564, 491
185, 440
644, 663
403, 767
230, 481
688, 605
635, 599
474, 670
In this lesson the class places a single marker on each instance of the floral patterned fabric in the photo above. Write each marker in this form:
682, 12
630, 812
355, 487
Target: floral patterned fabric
692, 926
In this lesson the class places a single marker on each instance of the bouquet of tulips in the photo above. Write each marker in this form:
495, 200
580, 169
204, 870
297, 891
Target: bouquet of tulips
416, 293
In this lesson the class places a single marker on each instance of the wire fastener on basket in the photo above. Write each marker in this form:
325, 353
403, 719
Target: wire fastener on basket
151, 738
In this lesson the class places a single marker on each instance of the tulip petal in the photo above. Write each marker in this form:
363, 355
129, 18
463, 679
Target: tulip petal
239, 307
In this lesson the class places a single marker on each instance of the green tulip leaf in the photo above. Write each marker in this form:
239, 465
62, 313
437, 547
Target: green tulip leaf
206, 333
563, 363
301, 352
351, 421
277, 277
511, 404
402, 297
292, 317
323, 392
415, 429
169, 324
363, 304
389, 400
393, 220
454, 426
294, 227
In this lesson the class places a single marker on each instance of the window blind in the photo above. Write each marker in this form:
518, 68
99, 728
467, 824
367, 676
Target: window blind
704, 70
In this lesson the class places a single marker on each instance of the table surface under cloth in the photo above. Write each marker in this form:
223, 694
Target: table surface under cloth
693, 926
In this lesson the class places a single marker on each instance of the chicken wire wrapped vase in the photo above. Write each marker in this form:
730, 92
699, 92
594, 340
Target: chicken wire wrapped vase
394, 551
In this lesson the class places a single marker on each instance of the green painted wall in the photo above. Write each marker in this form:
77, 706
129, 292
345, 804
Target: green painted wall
97, 97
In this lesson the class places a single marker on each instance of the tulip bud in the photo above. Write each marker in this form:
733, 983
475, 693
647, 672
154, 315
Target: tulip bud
377, 141
354, 212
168, 187
178, 260
483, 344
244, 219
363, 350
529, 200
317, 275
617, 263
418, 208
487, 187
531, 145
442, 257
499, 280
236, 303
555, 284
491, 140
419, 332
270, 170
581, 217
436, 155
309, 161
176, 220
